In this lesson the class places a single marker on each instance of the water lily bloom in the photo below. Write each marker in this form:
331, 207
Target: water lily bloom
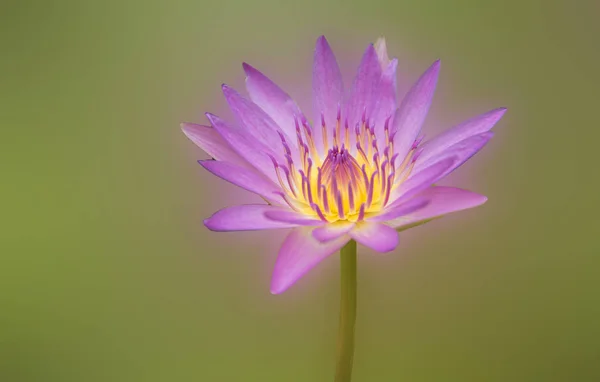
357, 168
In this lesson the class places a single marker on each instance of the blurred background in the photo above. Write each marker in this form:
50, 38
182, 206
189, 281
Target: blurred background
107, 273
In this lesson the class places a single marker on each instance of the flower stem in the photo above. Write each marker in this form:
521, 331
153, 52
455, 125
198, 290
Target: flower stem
345, 345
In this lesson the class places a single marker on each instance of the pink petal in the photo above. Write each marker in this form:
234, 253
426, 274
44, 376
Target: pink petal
462, 150
473, 126
438, 167
249, 217
209, 140
247, 147
364, 88
420, 181
394, 212
328, 90
332, 231
384, 102
256, 123
377, 236
299, 253
443, 200
245, 178
412, 111
274, 101
289, 216
382, 55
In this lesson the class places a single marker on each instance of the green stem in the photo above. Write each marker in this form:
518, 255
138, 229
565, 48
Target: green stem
345, 345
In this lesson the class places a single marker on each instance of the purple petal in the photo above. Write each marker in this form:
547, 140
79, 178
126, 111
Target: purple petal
209, 140
420, 181
473, 126
377, 236
274, 101
332, 231
328, 89
299, 253
257, 124
412, 111
251, 150
438, 167
443, 200
384, 102
245, 178
364, 87
394, 212
249, 217
462, 150
382, 55
288, 216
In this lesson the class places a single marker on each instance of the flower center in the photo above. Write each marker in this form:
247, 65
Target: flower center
346, 184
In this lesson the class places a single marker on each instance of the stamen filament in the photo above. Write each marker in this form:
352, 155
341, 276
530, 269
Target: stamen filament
371, 187
351, 199
340, 205
316, 208
324, 131
325, 201
361, 213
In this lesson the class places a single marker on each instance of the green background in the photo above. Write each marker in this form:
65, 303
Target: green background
107, 273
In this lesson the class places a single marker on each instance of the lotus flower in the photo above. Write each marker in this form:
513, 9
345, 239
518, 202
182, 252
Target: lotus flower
357, 169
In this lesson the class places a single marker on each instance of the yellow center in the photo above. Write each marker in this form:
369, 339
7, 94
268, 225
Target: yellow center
342, 185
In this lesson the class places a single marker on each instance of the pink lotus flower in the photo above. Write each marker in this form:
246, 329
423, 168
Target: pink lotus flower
358, 171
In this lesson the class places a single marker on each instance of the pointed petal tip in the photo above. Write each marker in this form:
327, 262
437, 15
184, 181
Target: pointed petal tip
498, 112
380, 41
189, 127
491, 117
277, 289
185, 126
248, 69
382, 55
278, 285
477, 199
208, 224
212, 226
212, 118
433, 70
228, 91
322, 44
